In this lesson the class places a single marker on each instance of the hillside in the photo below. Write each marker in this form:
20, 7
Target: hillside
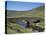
37, 12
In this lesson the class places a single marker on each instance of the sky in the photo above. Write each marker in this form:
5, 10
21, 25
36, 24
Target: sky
22, 6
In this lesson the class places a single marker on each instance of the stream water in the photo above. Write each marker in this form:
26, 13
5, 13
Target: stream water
22, 23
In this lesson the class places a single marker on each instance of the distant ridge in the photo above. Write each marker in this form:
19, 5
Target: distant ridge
40, 7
